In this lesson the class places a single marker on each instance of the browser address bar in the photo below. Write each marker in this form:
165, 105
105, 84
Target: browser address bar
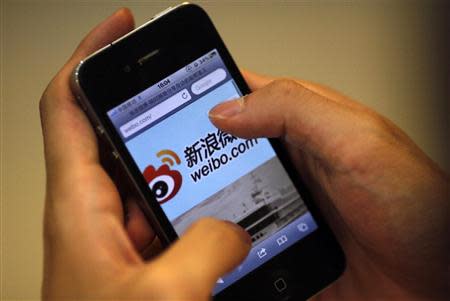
155, 113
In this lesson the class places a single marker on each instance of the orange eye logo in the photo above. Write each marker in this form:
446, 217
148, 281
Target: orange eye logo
164, 182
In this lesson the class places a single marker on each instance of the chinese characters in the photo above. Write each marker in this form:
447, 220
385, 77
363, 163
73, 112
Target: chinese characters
205, 147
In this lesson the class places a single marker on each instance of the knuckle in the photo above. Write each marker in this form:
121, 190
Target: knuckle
46, 97
43, 102
382, 129
54, 91
287, 91
375, 136
286, 87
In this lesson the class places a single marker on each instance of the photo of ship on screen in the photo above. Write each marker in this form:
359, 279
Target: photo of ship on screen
262, 202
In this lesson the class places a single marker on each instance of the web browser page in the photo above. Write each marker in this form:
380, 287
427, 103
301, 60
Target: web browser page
196, 170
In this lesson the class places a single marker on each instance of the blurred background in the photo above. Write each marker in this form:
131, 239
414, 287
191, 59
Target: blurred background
390, 55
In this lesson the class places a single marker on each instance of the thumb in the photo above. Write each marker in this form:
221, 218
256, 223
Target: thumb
209, 249
284, 108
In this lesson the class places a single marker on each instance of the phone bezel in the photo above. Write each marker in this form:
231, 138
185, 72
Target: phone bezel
101, 85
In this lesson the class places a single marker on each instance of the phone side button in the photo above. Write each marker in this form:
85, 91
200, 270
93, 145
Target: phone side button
115, 155
100, 130
80, 102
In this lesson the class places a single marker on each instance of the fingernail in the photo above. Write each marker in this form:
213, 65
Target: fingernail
246, 238
227, 109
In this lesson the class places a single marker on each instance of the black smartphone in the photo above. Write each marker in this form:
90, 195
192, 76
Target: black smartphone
148, 95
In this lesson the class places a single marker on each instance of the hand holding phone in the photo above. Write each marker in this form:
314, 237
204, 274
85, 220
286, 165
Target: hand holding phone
88, 253
148, 95
370, 179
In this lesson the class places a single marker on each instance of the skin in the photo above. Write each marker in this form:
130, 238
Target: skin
385, 199
89, 252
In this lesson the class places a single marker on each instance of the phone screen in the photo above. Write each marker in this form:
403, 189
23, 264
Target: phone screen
196, 170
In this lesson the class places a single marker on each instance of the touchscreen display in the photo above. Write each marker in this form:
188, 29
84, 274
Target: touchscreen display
196, 170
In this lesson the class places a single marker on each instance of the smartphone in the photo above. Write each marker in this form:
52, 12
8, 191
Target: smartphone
148, 95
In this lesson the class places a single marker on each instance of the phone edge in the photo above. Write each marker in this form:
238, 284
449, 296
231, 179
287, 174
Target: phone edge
95, 122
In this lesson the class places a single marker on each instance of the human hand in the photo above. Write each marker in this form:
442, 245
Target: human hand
385, 199
89, 251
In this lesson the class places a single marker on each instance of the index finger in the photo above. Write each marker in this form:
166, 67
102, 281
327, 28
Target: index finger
81, 199
68, 137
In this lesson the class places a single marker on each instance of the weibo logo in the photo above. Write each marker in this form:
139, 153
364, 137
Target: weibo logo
164, 182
